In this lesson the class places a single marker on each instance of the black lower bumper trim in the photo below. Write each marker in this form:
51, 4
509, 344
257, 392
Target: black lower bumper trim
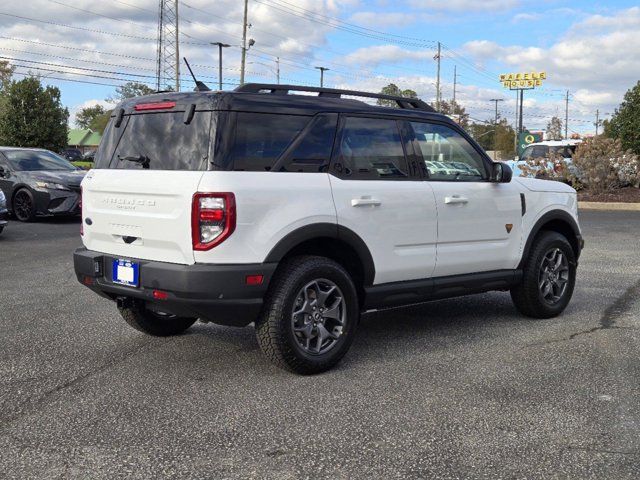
215, 293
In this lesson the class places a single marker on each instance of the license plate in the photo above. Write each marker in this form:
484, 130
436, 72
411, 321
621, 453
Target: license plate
126, 272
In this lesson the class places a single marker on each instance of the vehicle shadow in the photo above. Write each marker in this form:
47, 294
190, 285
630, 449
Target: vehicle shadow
393, 332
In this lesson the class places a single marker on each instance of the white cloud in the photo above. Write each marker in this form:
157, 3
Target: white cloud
375, 55
597, 57
465, 5
526, 17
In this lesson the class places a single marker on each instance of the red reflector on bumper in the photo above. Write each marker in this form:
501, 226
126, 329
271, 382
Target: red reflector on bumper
87, 280
160, 295
254, 279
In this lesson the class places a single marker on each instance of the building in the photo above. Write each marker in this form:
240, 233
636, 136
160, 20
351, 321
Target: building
83, 140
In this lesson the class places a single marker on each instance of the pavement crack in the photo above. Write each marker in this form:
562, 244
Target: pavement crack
608, 320
30, 406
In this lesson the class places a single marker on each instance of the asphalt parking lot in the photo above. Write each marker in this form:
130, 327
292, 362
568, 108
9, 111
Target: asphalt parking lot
462, 388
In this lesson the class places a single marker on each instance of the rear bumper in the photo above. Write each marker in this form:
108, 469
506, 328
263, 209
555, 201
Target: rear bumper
215, 293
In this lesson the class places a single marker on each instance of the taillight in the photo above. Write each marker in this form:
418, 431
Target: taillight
213, 219
81, 214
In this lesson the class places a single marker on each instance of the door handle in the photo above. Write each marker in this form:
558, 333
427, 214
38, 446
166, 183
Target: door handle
365, 201
454, 199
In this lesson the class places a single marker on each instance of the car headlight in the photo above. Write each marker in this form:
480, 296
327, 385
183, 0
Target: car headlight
51, 186
3, 201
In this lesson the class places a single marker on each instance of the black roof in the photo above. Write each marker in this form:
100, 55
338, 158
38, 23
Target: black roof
271, 98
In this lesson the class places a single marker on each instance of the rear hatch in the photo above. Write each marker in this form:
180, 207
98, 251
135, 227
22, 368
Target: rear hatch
137, 200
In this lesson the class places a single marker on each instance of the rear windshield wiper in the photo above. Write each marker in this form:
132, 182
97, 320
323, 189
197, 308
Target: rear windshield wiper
140, 159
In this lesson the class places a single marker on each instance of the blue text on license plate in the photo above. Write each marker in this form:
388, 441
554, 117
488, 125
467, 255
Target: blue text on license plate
126, 272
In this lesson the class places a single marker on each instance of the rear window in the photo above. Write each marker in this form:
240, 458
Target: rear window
260, 139
161, 140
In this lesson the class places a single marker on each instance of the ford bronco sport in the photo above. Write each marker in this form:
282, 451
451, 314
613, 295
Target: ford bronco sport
300, 211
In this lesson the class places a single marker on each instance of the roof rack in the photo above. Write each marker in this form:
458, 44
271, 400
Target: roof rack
403, 102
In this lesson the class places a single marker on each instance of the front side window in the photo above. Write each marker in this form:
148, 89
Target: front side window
447, 154
371, 149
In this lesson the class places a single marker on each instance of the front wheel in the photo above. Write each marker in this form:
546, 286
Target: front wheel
155, 323
24, 206
549, 277
310, 315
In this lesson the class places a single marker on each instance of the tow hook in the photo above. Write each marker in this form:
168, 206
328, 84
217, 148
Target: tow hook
124, 302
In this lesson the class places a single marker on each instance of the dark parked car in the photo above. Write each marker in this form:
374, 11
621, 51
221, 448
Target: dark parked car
39, 182
72, 154
4, 214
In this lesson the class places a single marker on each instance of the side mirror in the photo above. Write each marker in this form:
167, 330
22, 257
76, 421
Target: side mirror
501, 172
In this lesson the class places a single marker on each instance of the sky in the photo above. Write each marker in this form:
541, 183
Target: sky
589, 48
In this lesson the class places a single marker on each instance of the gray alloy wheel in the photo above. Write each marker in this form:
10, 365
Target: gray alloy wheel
23, 207
319, 316
553, 276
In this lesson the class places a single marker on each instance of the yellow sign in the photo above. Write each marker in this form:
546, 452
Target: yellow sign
522, 80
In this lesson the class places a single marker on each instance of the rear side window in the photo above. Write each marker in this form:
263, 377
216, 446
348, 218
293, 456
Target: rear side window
370, 149
260, 139
311, 151
161, 138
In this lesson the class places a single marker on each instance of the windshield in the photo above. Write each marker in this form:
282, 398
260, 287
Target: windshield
157, 141
36, 160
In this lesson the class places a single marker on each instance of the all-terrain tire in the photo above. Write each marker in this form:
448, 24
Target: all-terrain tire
153, 323
529, 296
275, 326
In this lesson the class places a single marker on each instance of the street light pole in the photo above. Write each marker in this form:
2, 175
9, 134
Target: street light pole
278, 69
220, 47
244, 42
322, 70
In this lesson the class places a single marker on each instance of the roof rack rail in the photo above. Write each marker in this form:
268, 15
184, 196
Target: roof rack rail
403, 102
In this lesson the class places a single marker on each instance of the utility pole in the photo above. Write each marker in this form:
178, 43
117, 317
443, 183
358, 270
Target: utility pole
322, 70
437, 57
244, 42
515, 130
168, 49
278, 69
220, 47
597, 124
177, 40
495, 128
455, 83
566, 117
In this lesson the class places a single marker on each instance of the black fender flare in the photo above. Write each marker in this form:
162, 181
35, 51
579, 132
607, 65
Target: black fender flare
550, 216
330, 230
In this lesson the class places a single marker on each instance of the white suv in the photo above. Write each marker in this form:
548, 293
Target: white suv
299, 212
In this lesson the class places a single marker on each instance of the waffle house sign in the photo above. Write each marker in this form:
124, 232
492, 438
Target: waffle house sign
516, 81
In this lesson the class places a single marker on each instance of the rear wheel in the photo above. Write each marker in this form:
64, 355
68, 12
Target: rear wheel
24, 206
310, 315
548, 279
155, 323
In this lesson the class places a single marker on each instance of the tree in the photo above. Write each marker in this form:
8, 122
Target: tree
456, 111
130, 90
6, 72
393, 89
86, 116
500, 137
33, 116
554, 129
94, 118
625, 123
